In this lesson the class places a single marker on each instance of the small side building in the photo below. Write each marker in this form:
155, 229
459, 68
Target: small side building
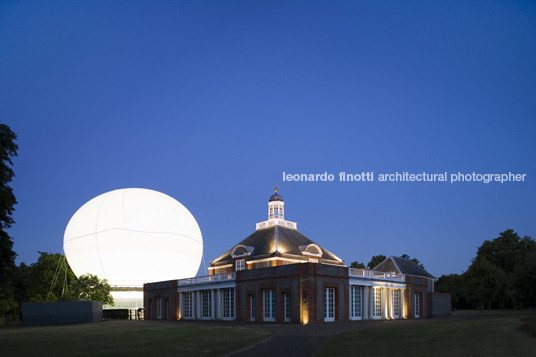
69, 312
422, 300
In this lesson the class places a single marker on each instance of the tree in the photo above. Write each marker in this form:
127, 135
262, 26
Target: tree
507, 250
525, 282
455, 285
485, 281
8, 150
415, 260
91, 288
505, 253
50, 279
357, 265
375, 260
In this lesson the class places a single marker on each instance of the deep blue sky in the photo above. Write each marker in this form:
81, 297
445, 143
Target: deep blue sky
210, 101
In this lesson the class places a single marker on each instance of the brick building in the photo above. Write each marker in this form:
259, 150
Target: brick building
277, 274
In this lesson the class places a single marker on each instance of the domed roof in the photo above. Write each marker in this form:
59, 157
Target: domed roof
275, 197
261, 245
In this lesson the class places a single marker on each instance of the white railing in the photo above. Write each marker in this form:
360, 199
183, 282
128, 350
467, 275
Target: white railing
277, 222
207, 279
372, 274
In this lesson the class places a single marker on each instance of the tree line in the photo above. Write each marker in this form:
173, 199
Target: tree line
50, 279
502, 275
377, 259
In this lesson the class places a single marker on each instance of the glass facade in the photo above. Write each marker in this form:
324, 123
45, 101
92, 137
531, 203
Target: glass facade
356, 302
269, 304
228, 303
206, 297
376, 302
252, 307
329, 302
287, 306
187, 299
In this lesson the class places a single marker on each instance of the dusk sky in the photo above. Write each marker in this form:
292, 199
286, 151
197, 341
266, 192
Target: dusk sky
211, 101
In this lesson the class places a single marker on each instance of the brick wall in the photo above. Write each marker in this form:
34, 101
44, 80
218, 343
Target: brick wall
165, 290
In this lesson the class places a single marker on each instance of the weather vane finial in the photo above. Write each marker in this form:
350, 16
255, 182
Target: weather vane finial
275, 189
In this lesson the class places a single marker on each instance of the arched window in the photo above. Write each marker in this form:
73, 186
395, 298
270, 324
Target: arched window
241, 251
311, 249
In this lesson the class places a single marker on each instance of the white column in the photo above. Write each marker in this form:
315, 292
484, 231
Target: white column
198, 305
383, 294
219, 304
401, 307
390, 306
371, 302
365, 303
181, 304
212, 304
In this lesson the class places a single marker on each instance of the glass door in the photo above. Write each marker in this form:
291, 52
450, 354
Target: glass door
329, 302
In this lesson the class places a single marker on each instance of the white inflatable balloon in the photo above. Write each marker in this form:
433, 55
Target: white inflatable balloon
133, 236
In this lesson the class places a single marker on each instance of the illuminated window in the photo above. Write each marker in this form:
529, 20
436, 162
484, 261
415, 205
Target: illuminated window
377, 302
206, 298
329, 304
240, 264
269, 305
355, 301
228, 303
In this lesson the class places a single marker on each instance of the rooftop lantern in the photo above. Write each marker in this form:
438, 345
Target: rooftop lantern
276, 213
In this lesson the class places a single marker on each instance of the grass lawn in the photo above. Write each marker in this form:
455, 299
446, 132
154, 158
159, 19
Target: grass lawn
126, 338
493, 312
499, 336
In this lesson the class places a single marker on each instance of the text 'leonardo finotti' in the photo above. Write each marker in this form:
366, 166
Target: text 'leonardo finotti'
370, 176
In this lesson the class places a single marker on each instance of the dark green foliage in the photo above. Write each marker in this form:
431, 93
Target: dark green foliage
375, 260
455, 285
50, 279
496, 276
357, 265
91, 288
525, 283
486, 282
8, 150
507, 250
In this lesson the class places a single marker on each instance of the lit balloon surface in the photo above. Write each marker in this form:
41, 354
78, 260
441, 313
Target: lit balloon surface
133, 236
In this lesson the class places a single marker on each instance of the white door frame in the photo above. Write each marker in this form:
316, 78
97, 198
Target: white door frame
417, 305
329, 304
